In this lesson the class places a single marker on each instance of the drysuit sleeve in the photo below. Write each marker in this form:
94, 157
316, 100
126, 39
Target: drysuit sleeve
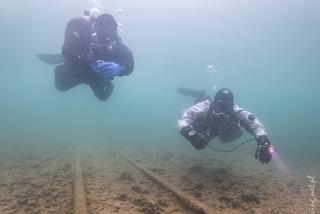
251, 123
191, 114
125, 58
77, 39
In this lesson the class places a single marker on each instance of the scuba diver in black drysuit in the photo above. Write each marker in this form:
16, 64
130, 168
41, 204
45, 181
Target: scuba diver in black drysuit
92, 54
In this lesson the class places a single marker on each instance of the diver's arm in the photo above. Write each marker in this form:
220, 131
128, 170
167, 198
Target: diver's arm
191, 114
77, 38
125, 58
70, 51
197, 139
250, 123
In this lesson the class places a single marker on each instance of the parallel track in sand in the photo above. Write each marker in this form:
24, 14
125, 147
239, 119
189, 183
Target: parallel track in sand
186, 200
79, 194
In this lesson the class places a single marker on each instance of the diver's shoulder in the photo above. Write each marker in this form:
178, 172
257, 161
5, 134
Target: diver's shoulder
123, 47
237, 108
203, 105
205, 102
79, 19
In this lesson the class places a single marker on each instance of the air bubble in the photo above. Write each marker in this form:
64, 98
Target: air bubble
210, 68
120, 26
119, 11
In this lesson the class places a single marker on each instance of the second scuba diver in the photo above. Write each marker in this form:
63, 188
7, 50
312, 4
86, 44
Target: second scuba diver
224, 119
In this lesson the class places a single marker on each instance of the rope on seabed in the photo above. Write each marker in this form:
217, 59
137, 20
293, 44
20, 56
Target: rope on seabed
186, 200
79, 197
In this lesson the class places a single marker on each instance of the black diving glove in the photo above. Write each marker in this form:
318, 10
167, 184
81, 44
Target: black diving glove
197, 139
264, 149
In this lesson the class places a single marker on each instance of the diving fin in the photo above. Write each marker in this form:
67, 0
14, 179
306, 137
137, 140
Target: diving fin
191, 92
51, 59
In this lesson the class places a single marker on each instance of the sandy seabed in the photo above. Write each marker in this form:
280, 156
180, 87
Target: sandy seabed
36, 180
41, 181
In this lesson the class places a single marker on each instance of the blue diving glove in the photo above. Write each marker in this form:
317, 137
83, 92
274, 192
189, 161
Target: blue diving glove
107, 69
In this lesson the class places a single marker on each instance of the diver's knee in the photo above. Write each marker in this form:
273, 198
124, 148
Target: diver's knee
229, 137
61, 87
237, 133
225, 139
232, 134
105, 92
64, 79
60, 84
58, 78
104, 96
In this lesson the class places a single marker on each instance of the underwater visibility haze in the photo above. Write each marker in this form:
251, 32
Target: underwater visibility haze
266, 52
